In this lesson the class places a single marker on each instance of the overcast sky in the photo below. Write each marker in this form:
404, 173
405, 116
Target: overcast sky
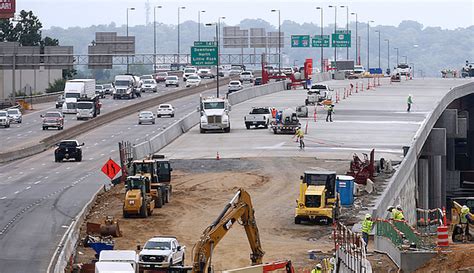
67, 13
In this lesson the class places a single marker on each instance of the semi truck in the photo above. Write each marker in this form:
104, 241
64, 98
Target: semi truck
214, 114
88, 108
74, 89
124, 87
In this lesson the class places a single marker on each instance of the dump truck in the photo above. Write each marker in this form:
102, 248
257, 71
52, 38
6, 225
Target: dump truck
158, 170
138, 198
318, 199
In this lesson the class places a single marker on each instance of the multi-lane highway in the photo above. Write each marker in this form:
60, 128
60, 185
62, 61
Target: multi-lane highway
39, 198
30, 131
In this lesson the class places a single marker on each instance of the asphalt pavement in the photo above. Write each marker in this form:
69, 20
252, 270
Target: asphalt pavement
39, 198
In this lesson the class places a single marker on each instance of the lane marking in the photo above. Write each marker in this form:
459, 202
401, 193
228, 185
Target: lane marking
37, 182
27, 188
16, 192
4, 197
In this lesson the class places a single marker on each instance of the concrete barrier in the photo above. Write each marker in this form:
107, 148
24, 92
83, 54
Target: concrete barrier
104, 119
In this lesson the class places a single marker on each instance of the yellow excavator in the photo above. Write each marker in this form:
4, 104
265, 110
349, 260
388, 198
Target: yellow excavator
239, 208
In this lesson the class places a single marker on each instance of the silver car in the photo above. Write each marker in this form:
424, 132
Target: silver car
4, 119
15, 115
146, 117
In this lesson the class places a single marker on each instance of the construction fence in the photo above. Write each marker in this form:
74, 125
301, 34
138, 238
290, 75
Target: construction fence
351, 255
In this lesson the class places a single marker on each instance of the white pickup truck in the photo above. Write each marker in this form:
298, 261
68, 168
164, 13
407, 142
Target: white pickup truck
161, 252
258, 116
318, 93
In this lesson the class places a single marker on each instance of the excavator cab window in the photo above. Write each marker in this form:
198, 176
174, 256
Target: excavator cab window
134, 184
313, 201
142, 168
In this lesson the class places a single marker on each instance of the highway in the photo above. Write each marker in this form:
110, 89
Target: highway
39, 197
30, 131
375, 118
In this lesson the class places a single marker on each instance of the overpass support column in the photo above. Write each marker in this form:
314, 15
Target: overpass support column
435, 182
423, 183
433, 149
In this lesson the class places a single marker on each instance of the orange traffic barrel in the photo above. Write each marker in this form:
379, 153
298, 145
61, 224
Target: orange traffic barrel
443, 239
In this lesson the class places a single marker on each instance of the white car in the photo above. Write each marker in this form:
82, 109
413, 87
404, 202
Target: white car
188, 71
4, 119
149, 85
205, 73
165, 110
234, 86
145, 77
161, 252
193, 80
15, 115
146, 117
287, 70
246, 76
172, 80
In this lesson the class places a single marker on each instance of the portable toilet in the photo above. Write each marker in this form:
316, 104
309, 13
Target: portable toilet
345, 188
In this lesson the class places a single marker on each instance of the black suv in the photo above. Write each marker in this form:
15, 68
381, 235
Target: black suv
68, 149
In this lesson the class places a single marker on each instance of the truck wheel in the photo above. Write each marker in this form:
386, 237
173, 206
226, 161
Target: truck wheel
159, 200
266, 126
79, 158
150, 212
125, 214
227, 130
306, 102
248, 126
275, 131
143, 210
182, 261
297, 220
202, 131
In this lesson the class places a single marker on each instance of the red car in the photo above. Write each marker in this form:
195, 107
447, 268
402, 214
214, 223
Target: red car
161, 76
53, 119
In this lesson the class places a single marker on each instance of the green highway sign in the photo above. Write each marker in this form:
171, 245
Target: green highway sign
205, 43
204, 55
343, 31
300, 41
341, 40
319, 41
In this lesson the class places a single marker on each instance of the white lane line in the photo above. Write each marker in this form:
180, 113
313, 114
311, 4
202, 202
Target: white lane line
27, 188
103, 140
21, 172
68, 168
378, 122
46, 177
32, 168
57, 172
112, 151
37, 182
4, 197
136, 139
95, 144
102, 154
16, 192
44, 164
9, 177
29, 132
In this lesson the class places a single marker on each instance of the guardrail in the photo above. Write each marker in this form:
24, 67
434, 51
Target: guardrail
48, 142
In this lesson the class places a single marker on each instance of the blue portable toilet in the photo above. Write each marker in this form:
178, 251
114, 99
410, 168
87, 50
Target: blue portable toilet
345, 188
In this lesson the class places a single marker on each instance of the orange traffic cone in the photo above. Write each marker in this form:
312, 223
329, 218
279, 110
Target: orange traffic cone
218, 156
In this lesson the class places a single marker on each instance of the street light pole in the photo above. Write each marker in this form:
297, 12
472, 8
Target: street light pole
322, 44
368, 45
335, 29
396, 48
179, 9
154, 37
279, 40
378, 31
218, 36
406, 59
218, 59
388, 54
412, 69
128, 9
347, 28
199, 24
357, 39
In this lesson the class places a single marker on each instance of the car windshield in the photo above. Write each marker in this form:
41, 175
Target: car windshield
246, 73
318, 86
67, 144
164, 106
234, 83
162, 74
146, 114
146, 77
13, 112
158, 245
260, 111
84, 105
107, 85
3, 114
73, 95
214, 105
122, 83
172, 78
403, 66
189, 71
149, 82
99, 87
52, 115
193, 78
203, 71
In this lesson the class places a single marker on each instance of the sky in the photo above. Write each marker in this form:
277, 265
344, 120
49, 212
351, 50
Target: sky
447, 14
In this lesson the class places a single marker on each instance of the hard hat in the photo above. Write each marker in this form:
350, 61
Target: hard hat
318, 266
390, 208
464, 209
399, 207
368, 216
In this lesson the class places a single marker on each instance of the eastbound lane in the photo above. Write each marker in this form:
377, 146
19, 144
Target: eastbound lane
30, 132
39, 198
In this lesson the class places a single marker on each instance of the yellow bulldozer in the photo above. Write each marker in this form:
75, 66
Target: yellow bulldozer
138, 198
318, 199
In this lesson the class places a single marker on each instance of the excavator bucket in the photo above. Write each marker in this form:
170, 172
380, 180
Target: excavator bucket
110, 227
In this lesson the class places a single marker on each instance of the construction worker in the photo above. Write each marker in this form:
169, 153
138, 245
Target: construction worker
274, 112
300, 136
409, 102
330, 112
367, 226
397, 213
464, 221
317, 269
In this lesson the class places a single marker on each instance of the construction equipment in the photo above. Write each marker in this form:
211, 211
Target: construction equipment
138, 198
458, 231
239, 207
285, 122
110, 227
157, 169
395, 78
362, 170
318, 199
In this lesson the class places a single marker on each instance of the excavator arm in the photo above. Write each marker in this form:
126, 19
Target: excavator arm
239, 208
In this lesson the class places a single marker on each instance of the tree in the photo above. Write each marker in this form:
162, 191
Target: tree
28, 29
48, 41
56, 86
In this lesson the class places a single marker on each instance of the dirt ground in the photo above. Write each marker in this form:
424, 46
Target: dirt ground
201, 188
459, 258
